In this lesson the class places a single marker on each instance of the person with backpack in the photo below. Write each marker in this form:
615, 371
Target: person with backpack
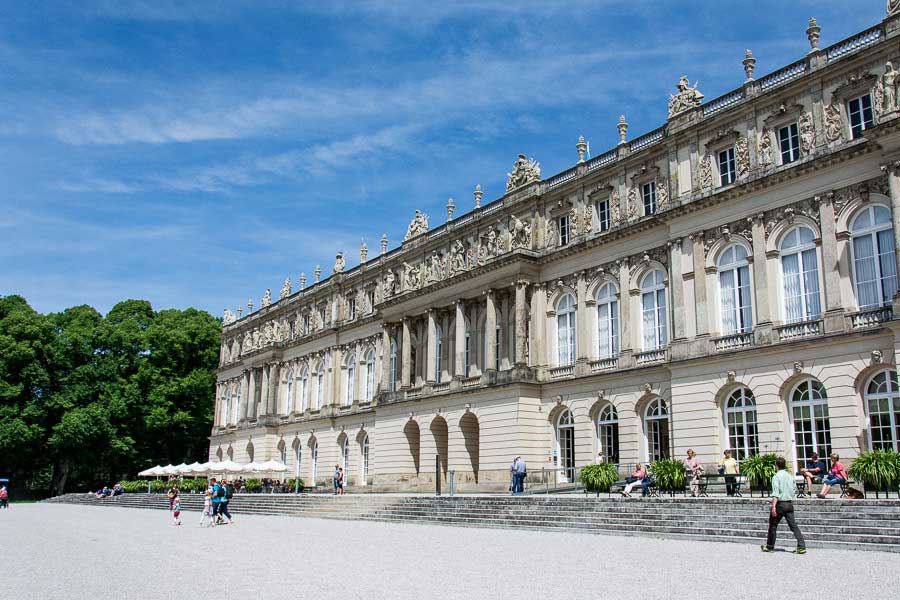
4, 497
217, 494
227, 494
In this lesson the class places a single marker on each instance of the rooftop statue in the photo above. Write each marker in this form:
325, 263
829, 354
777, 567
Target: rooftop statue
417, 226
267, 298
228, 317
525, 170
338, 263
285, 289
687, 97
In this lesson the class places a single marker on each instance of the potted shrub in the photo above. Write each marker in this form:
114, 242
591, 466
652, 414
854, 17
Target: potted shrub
668, 473
598, 478
878, 470
292, 484
253, 485
759, 470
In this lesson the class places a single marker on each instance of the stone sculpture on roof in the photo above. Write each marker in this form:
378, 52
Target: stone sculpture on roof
228, 317
525, 170
417, 226
338, 263
687, 97
267, 298
285, 289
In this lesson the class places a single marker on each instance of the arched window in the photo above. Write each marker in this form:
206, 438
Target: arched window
320, 387
565, 446
607, 321
734, 290
809, 416
656, 427
800, 274
653, 309
393, 375
883, 408
740, 419
304, 390
608, 433
350, 380
565, 330
438, 353
874, 264
364, 462
289, 393
370, 375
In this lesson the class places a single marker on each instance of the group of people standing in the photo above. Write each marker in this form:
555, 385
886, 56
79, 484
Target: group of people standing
215, 504
517, 472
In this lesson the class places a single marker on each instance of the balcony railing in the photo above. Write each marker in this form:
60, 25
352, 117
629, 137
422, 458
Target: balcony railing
651, 356
852, 44
415, 392
560, 372
870, 317
722, 102
603, 159
734, 341
470, 382
604, 364
803, 329
783, 75
561, 178
647, 139
444, 386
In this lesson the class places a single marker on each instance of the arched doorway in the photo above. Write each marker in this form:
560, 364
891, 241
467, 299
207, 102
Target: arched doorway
565, 447
440, 434
411, 431
468, 426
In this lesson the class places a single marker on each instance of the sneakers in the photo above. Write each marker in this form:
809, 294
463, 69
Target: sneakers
800, 551
766, 549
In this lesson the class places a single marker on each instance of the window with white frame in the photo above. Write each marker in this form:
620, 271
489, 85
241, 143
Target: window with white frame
314, 453
608, 433
291, 328
883, 409
237, 405
370, 295
726, 167
467, 356
351, 308
809, 418
648, 194
304, 390
734, 290
565, 330
874, 262
438, 353
562, 229
740, 419
654, 326
789, 143
603, 216
350, 380
370, 375
289, 393
364, 462
607, 321
497, 342
224, 402
656, 428
392, 383
320, 388
800, 276
306, 324
861, 115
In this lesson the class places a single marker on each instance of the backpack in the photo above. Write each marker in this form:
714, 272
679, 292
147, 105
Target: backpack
229, 492
221, 491
3, 495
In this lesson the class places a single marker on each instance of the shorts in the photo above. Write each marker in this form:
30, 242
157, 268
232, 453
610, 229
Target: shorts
834, 480
177, 512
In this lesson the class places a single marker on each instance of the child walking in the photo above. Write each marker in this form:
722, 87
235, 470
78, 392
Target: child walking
206, 515
176, 510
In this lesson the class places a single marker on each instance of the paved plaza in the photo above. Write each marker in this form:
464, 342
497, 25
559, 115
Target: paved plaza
61, 551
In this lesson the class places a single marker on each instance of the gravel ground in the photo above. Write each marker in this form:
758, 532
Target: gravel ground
60, 551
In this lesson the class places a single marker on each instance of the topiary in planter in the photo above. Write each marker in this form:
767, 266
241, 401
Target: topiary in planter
668, 473
759, 470
598, 478
253, 485
878, 470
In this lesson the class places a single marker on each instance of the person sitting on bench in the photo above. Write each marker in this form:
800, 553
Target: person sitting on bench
637, 477
837, 475
815, 469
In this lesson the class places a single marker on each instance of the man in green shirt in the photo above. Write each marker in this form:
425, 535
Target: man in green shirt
784, 490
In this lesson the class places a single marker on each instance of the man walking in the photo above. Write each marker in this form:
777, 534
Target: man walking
519, 475
216, 500
784, 490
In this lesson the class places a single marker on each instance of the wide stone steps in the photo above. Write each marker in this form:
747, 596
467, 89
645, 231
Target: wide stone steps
871, 525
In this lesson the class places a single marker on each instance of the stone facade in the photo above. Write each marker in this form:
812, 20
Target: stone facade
725, 281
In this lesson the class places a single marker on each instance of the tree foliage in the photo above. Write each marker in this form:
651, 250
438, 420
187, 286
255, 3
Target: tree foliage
87, 399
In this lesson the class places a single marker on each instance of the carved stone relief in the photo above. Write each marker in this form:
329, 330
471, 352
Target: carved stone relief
742, 157
520, 232
834, 123
706, 176
686, 98
807, 133
632, 208
285, 289
525, 170
765, 148
417, 226
550, 233
457, 257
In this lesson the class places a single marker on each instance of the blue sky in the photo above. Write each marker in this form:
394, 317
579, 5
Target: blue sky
194, 154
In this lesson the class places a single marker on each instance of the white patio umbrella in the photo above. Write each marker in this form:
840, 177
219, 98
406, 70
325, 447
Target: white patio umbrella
273, 466
170, 470
225, 466
151, 472
183, 469
251, 467
199, 468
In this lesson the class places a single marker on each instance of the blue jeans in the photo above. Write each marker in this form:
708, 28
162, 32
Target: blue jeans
833, 480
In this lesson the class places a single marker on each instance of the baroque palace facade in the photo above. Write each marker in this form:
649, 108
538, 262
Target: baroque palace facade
728, 280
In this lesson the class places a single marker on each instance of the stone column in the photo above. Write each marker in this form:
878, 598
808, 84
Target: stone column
274, 386
893, 176
459, 339
521, 316
624, 308
385, 357
430, 354
337, 376
245, 396
251, 395
762, 328
677, 282
700, 284
407, 355
834, 311
264, 390
490, 332
582, 336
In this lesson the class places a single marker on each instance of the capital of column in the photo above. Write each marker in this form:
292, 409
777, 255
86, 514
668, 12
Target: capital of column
891, 168
826, 198
521, 283
488, 292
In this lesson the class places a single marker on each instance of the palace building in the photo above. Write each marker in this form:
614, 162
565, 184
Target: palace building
728, 280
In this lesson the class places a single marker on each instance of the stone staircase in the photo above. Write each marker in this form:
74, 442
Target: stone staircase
847, 524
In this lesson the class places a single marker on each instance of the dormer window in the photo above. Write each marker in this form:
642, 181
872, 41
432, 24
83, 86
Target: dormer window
789, 143
861, 118
648, 192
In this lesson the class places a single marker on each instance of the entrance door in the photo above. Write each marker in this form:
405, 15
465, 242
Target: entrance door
565, 436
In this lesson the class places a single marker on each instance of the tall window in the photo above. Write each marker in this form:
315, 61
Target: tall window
237, 405
607, 321
320, 388
351, 308
883, 408
562, 228
740, 419
289, 393
603, 214
370, 376
809, 415
345, 458
653, 308
656, 426
800, 272
608, 433
350, 381
304, 390
861, 118
734, 290
789, 143
565, 330
874, 263
282, 452
726, 167
224, 408
565, 446
648, 193
364, 462
315, 461
370, 305
438, 353
393, 375
467, 356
